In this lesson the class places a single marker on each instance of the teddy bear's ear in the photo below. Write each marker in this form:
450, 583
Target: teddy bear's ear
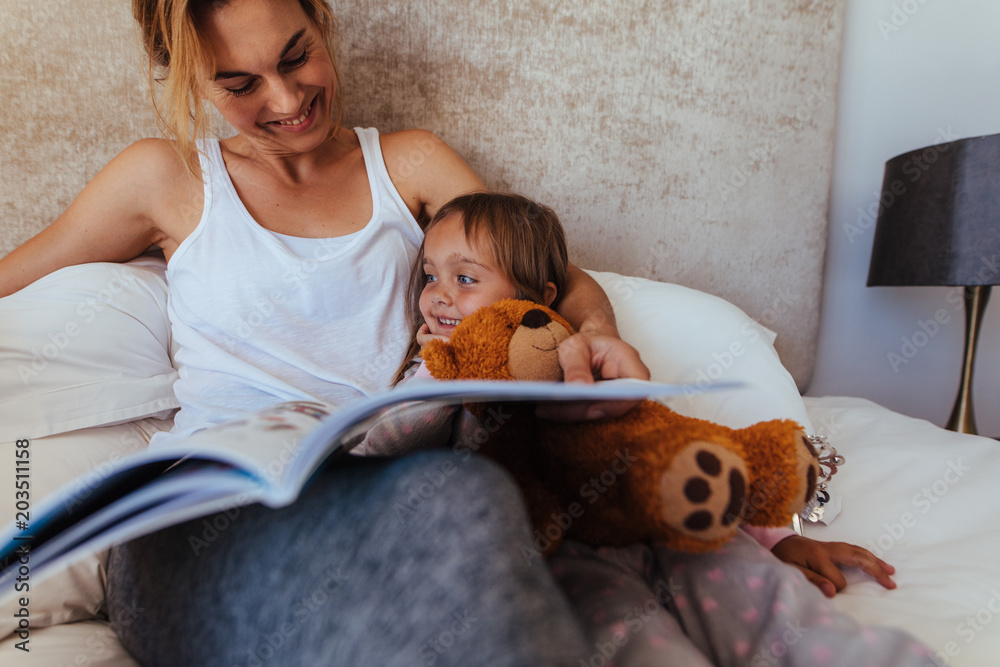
440, 358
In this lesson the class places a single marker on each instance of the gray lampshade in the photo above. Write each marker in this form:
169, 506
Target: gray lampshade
939, 216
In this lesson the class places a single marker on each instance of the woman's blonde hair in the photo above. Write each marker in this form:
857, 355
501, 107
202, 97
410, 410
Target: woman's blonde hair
178, 56
525, 240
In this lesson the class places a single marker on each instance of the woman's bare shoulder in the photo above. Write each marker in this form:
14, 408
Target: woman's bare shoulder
155, 159
172, 191
425, 169
411, 148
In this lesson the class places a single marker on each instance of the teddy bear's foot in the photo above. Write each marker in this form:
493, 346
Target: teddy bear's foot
807, 463
703, 494
782, 488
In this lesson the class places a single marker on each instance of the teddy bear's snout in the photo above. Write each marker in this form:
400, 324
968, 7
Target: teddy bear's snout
535, 319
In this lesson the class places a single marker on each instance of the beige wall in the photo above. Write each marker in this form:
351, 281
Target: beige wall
682, 141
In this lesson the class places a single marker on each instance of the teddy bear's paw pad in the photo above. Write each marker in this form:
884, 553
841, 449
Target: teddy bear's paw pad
704, 491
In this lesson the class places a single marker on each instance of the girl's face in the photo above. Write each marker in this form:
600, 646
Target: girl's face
273, 79
461, 278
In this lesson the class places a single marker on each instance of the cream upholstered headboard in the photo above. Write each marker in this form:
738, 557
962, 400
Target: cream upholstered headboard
687, 141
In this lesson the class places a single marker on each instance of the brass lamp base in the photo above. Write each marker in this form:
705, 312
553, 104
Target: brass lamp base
963, 418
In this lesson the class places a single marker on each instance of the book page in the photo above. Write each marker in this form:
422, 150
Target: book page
345, 428
264, 443
282, 445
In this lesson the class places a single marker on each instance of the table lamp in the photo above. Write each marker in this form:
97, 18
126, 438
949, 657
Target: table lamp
939, 224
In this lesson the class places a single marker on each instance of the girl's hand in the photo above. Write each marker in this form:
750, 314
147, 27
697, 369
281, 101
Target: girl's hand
820, 562
425, 336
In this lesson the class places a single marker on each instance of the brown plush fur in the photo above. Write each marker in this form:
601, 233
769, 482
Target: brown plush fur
649, 474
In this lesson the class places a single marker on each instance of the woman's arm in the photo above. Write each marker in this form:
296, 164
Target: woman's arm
427, 173
586, 306
597, 349
114, 218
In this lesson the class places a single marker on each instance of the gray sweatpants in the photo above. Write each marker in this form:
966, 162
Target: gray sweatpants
412, 561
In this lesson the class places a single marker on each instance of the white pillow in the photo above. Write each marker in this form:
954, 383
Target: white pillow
692, 338
75, 592
85, 346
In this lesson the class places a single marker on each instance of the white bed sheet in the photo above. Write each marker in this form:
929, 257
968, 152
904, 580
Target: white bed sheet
928, 501
926, 498
85, 643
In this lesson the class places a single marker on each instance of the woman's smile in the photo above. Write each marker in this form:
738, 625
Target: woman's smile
300, 123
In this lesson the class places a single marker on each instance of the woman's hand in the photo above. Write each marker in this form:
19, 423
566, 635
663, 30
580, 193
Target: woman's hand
820, 562
586, 356
595, 351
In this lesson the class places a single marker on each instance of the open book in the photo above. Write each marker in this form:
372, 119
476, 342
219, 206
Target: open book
266, 457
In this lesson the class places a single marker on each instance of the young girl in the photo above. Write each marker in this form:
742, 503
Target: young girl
642, 604
477, 250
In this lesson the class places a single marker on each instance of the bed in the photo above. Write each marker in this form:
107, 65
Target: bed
688, 148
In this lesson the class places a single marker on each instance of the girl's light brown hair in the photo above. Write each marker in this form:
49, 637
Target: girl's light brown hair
179, 56
525, 240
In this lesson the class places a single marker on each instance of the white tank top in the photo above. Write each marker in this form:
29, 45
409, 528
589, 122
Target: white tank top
261, 317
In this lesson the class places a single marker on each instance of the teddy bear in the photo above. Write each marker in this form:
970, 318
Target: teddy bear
648, 474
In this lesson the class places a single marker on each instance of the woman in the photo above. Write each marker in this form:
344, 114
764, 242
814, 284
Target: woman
287, 247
